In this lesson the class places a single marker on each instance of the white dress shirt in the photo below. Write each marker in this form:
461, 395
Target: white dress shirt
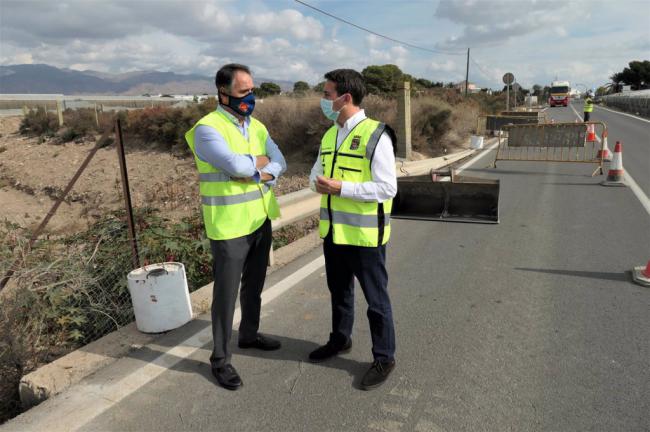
384, 181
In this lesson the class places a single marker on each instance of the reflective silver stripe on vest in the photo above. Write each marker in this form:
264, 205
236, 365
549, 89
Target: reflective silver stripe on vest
233, 199
353, 219
214, 177
374, 140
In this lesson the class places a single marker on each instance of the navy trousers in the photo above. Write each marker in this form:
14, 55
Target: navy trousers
368, 265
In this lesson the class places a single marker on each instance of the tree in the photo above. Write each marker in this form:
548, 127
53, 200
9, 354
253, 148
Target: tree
603, 90
300, 87
537, 90
382, 79
318, 88
267, 89
637, 75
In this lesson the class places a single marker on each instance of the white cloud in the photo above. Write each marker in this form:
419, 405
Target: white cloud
373, 41
444, 66
499, 21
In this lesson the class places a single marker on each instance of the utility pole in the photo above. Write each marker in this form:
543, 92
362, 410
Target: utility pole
467, 74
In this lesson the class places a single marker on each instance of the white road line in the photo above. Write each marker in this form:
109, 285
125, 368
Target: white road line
622, 113
577, 114
636, 189
82, 403
477, 158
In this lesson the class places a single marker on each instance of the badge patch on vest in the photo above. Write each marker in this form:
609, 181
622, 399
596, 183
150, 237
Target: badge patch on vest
356, 140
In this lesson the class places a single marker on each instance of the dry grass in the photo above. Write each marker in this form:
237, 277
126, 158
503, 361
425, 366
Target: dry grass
296, 124
441, 121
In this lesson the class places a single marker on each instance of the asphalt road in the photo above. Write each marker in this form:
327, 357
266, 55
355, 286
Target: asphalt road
532, 324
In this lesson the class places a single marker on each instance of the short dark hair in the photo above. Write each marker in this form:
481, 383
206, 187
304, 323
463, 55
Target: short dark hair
348, 81
226, 74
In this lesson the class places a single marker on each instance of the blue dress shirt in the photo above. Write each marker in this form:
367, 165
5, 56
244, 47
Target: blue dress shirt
211, 147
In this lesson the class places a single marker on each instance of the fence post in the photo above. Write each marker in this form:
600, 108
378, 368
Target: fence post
135, 258
404, 121
25, 110
59, 111
96, 115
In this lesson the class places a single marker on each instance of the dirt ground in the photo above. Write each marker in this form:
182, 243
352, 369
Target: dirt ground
33, 174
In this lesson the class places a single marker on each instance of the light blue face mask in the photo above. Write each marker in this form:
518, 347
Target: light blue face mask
327, 106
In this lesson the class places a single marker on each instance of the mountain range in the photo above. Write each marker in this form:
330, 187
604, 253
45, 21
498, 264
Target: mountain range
42, 78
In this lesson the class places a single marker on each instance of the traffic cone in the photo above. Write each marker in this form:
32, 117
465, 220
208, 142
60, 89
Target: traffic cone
616, 171
642, 275
591, 133
604, 152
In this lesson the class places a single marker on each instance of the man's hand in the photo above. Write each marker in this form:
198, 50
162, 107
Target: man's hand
261, 162
264, 177
328, 186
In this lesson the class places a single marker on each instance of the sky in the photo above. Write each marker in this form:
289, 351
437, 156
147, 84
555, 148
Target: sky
582, 41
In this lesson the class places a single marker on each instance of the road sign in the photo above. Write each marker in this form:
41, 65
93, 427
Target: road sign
508, 78
516, 87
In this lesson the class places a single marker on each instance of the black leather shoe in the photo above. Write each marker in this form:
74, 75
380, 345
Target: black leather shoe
227, 377
330, 349
377, 374
261, 342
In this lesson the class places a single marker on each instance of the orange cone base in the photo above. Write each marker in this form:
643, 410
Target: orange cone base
640, 277
614, 178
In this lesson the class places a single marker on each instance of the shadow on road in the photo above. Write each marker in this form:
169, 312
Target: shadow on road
620, 277
293, 350
572, 184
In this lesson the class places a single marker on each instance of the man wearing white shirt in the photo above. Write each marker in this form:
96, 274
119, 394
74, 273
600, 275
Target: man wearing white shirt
355, 173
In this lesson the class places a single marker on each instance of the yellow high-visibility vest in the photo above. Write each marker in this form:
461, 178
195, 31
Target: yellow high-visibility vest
353, 222
589, 105
233, 209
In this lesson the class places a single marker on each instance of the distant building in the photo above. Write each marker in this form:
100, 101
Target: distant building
471, 88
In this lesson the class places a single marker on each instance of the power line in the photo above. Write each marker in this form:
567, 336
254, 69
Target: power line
378, 34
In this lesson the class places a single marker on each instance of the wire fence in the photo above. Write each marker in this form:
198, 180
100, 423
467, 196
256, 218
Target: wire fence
69, 287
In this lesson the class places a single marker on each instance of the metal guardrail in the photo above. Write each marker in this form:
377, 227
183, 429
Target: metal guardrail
552, 142
637, 102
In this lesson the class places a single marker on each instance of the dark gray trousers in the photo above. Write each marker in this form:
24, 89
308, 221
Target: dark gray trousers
243, 259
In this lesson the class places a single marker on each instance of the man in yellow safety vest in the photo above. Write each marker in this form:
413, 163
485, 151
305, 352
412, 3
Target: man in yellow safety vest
589, 106
355, 173
238, 166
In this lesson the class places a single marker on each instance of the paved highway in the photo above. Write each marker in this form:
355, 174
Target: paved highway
532, 324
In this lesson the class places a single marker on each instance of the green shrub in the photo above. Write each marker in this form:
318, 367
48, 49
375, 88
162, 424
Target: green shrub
39, 123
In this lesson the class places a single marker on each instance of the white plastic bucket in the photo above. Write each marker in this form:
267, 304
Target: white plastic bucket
476, 142
161, 300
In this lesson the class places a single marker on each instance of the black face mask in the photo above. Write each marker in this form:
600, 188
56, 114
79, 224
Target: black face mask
243, 106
